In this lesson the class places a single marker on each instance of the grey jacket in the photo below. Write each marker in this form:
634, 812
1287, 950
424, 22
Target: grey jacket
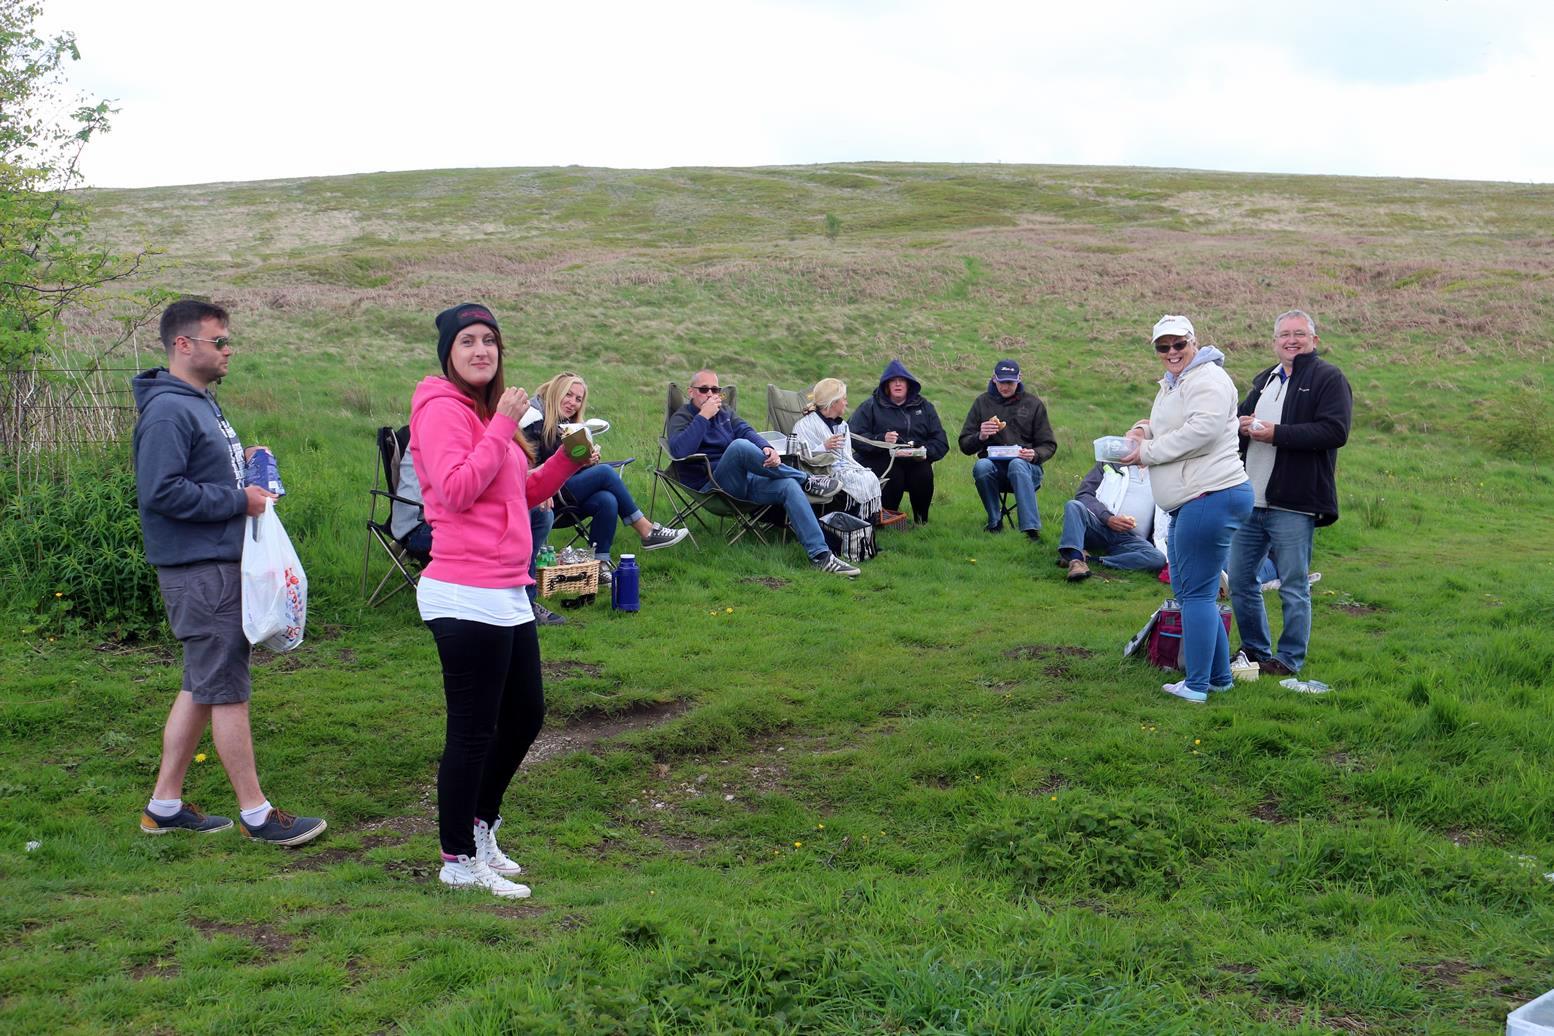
191, 501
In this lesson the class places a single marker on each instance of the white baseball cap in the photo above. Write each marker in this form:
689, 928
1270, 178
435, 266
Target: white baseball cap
1173, 325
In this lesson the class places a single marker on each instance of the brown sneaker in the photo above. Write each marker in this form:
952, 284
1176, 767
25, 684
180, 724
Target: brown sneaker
1078, 570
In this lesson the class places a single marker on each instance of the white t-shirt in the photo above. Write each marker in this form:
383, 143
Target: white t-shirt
1260, 455
494, 606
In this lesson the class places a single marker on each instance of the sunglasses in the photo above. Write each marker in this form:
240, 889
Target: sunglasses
714, 389
1171, 347
220, 343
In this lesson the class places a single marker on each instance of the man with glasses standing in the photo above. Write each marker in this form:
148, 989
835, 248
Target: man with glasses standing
1293, 422
747, 467
189, 483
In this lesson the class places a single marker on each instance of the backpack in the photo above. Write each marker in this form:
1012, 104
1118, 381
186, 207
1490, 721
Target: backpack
849, 537
1163, 636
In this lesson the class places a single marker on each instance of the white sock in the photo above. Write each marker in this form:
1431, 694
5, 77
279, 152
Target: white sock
258, 815
164, 807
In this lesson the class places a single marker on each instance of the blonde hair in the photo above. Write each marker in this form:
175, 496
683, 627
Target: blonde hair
550, 395
826, 392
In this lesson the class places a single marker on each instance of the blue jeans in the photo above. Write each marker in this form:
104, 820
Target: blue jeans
1198, 546
741, 473
1083, 531
604, 498
541, 521
1287, 536
995, 476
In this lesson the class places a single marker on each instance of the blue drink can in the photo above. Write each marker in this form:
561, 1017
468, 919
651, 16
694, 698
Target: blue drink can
262, 472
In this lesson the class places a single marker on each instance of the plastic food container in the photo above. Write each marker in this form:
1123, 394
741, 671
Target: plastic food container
1111, 448
1535, 1018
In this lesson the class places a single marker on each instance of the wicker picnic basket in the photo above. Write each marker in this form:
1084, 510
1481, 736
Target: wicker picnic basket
578, 580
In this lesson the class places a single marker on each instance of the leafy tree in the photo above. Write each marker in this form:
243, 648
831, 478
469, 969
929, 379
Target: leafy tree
47, 263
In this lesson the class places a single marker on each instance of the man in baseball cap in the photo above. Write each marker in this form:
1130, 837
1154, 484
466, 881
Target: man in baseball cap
1006, 415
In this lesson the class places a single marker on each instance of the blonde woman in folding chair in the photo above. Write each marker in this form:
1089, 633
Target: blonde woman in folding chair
598, 491
823, 430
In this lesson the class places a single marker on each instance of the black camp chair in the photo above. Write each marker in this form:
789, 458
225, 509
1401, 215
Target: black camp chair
385, 486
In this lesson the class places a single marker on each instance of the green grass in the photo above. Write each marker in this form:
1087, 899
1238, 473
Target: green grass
934, 800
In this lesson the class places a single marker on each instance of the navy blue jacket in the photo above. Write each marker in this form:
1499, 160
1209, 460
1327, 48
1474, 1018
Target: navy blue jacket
914, 420
1318, 406
688, 432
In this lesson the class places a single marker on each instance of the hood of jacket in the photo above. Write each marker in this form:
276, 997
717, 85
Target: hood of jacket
897, 369
993, 393
159, 381
1206, 354
435, 386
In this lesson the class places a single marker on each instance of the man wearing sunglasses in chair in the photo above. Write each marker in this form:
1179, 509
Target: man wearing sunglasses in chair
747, 467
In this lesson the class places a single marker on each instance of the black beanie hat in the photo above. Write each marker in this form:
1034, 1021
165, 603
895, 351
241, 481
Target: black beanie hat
451, 321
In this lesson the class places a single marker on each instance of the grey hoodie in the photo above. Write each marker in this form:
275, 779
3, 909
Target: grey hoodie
187, 464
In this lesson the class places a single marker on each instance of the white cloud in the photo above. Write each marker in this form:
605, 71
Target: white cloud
1393, 87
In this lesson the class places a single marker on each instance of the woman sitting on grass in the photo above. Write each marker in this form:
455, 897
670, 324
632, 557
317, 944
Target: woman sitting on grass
823, 430
476, 484
599, 491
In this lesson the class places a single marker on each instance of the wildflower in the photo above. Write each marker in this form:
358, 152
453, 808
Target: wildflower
972, 560
1197, 741
728, 611
820, 827
798, 845
59, 593
652, 892
200, 758
976, 776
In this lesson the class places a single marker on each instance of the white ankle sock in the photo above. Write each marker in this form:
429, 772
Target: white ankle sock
258, 815
164, 807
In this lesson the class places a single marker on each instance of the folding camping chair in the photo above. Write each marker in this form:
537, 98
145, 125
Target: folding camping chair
385, 486
784, 408
570, 515
735, 517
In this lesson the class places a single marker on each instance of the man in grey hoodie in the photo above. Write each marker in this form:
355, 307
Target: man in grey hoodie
189, 482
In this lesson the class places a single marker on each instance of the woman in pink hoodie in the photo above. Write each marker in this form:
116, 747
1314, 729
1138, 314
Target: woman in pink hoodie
476, 485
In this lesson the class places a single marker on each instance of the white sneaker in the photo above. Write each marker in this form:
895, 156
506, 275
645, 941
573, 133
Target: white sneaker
467, 873
489, 853
1271, 584
1181, 690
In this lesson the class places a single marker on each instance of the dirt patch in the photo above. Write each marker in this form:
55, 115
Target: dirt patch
271, 943
1029, 651
770, 582
562, 668
513, 908
1269, 813
1443, 974
421, 873
1239, 969
1461, 836
1346, 762
1357, 608
159, 968
589, 728
318, 861
1052, 784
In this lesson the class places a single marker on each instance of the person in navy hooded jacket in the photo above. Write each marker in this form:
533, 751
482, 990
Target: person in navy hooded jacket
898, 414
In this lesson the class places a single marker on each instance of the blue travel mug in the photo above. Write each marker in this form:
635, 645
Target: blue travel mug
623, 591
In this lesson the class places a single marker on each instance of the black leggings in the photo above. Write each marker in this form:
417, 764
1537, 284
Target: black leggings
908, 476
496, 706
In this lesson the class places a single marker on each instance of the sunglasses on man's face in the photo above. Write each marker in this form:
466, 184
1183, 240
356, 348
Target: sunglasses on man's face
714, 389
1171, 347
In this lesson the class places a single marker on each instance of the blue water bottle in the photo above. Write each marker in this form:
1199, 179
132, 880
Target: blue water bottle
623, 591
262, 472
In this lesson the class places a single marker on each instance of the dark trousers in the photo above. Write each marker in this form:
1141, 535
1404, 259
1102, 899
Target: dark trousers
908, 477
496, 706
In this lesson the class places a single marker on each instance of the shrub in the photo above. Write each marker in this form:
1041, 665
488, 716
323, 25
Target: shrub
70, 549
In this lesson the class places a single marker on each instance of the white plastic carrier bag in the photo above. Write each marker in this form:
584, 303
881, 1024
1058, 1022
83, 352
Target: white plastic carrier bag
275, 589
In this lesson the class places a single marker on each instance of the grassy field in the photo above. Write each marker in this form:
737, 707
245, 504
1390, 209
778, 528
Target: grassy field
931, 800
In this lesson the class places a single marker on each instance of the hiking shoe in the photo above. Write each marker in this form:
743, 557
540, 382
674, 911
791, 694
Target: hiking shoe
993, 527
658, 537
829, 562
1078, 570
489, 853
1034, 535
1276, 667
189, 818
465, 873
543, 616
822, 485
1181, 690
281, 828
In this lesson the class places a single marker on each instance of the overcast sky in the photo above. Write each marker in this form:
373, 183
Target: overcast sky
215, 91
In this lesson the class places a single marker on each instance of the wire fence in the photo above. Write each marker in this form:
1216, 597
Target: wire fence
46, 410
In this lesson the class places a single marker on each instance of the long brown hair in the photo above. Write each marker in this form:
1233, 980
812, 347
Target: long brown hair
485, 400
550, 395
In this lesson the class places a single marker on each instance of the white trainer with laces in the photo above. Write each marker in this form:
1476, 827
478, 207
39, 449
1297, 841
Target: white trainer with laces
464, 873
1181, 690
489, 853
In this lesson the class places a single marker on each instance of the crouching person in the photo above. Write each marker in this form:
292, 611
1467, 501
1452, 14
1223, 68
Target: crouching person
1111, 516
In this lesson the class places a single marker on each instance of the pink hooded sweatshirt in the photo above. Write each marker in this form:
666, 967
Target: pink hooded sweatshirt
476, 486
